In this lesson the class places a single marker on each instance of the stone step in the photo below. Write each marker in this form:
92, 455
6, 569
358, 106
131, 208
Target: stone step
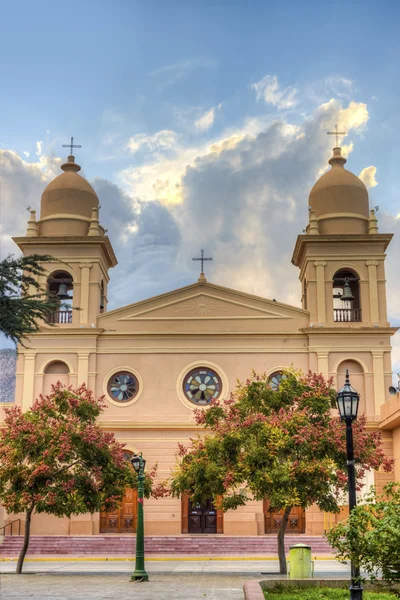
125, 545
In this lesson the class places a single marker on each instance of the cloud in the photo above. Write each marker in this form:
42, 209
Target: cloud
22, 184
160, 141
39, 148
171, 74
367, 175
27, 154
206, 120
268, 90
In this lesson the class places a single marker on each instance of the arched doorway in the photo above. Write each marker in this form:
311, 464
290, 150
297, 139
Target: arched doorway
124, 518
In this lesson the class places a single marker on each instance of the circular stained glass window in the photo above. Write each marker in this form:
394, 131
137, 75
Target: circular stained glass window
275, 380
122, 386
201, 386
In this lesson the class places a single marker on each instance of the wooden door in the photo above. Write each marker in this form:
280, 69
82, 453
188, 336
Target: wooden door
122, 519
201, 518
272, 520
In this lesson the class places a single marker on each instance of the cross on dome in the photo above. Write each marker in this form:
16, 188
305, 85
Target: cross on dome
71, 145
337, 133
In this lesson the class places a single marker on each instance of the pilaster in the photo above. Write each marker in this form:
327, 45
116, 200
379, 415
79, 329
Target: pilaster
321, 304
379, 381
83, 367
29, 380
373, 290
84, 312
323, 363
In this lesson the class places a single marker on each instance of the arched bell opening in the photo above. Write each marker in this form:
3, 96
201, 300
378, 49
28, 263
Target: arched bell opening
346, 296
60, 285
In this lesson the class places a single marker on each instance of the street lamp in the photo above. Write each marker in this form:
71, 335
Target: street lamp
139, 574
348, 401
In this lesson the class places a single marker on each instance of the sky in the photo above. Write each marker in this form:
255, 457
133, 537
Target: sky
203, 124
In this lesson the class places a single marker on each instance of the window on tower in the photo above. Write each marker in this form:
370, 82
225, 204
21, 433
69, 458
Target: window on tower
346, 296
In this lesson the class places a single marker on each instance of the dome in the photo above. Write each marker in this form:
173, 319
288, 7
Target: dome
67, 203
340, 199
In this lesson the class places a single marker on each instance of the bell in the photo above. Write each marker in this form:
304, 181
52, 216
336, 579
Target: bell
62, 293
347, 295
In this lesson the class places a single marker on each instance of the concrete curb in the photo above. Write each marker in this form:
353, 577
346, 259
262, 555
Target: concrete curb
252, 590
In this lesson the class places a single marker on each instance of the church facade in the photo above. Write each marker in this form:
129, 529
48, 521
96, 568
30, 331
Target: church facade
156, 360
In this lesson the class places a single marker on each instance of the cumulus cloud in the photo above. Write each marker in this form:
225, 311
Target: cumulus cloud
22, 184
39, 148
268, 89
367, 175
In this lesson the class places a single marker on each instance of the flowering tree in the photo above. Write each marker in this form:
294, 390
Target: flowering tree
55, 459
286, 445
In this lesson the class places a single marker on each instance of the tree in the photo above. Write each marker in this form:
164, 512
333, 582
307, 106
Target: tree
284, 445
370, 537
55, 459
23, 301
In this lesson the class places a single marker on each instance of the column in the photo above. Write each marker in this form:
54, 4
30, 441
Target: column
379, 380
83, 368
321, 307
84, 302
373, 290
323, 364
29, 380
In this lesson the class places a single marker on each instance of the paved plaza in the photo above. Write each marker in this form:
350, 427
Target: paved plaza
183, 580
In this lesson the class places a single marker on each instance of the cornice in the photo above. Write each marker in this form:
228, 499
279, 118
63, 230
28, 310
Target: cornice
346, 330
308, 240
103, 240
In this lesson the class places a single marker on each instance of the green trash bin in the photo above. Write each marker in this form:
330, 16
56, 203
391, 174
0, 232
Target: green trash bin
300, 564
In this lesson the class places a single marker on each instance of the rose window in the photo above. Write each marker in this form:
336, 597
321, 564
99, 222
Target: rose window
201, 386
275, 380
123, 386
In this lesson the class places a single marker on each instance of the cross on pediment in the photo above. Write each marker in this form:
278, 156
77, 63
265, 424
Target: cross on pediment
202, 259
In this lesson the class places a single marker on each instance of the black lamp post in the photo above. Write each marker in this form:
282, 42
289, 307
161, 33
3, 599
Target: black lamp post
139, 574
348, 400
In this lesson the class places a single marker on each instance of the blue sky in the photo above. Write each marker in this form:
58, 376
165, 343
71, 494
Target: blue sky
203, 123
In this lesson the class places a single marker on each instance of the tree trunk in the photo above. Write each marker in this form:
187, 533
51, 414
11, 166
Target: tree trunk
281, 540
26, 540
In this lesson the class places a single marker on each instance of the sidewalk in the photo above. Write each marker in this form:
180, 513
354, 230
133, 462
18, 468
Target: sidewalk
256, 567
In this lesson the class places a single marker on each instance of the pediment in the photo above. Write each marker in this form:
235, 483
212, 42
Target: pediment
205, 302
203, 306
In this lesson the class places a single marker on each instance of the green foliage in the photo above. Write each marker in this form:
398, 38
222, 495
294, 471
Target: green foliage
23, 301
371, 535
319, 593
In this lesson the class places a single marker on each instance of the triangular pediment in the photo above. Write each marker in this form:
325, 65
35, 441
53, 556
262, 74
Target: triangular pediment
205, 302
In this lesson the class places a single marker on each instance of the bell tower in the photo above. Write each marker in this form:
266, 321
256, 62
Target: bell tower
341, 258
69, 230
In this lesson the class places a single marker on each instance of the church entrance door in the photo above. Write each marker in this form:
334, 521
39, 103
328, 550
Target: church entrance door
200, 518
122, 519
296, 522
